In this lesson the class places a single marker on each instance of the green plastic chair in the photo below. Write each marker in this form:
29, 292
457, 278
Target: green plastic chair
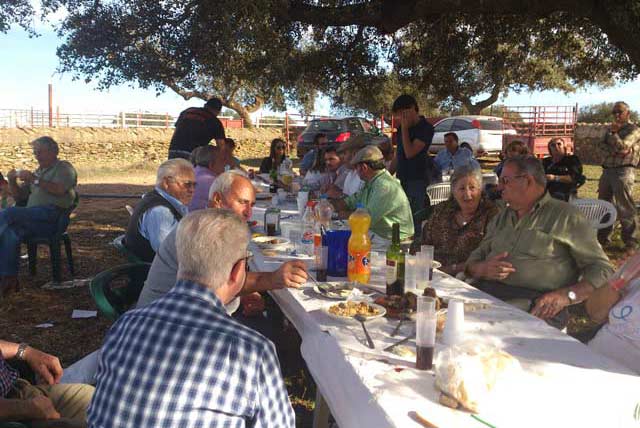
54, 242
119, 244
116, 290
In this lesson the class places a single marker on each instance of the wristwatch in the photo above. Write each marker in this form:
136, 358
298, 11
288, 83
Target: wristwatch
36, 182
572, 297
21, 350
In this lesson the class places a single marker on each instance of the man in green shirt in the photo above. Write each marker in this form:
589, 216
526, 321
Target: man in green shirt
539, 253
382, 196
49, 191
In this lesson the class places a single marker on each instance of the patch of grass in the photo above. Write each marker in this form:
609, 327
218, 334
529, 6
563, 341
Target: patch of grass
87, 173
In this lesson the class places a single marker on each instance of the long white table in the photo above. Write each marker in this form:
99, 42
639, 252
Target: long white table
564, 384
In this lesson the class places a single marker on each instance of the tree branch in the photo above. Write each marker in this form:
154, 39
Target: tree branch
388, 16
187, 95
480, 105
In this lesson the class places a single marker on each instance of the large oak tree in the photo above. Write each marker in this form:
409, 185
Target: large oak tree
257, 52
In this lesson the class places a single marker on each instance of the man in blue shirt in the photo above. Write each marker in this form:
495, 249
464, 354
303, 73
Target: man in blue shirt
182, 361
413, 138
159, 210
453, 156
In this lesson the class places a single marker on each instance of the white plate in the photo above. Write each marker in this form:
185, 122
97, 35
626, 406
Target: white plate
382, 313
330, 294
436, 264
267, 242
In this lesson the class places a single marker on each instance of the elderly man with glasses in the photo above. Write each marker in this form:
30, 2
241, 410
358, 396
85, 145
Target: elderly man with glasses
161, 209
621, 153
539, 253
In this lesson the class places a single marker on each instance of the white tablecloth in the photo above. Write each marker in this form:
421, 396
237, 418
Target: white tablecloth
564, 383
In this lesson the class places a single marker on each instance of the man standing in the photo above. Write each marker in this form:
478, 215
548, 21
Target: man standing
159, 210
195, 127
182, 361
539, 253
381, 195
413, 139
49, 192
621, 149
453, 155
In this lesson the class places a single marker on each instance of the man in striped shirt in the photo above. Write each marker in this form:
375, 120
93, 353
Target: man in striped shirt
182, 361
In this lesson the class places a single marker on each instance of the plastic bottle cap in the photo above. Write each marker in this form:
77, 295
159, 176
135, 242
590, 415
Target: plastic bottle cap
617, 284
359, 205
323, 196
309, 203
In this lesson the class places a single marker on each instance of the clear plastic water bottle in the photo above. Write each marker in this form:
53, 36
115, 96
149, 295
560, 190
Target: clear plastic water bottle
324, 212
307, 230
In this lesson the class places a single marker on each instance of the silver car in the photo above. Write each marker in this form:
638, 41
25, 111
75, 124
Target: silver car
481, 134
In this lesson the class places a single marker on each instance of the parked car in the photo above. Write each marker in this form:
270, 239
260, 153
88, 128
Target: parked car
481, 134
338, 131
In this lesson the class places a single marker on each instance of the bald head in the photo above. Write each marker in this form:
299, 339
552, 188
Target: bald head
234, 191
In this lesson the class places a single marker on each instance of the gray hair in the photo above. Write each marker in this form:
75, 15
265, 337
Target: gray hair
208, 243
529, 165
466, 170
47, 142
203, 155
223, 183
172, 168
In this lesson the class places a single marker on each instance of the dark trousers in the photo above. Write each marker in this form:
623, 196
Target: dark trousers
523, 298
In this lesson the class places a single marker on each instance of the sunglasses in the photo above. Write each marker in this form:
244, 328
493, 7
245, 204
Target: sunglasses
186, 184
617, 112
508, 180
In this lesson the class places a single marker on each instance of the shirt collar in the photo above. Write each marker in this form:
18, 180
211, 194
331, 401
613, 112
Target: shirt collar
198, 291
378, 175
182, 208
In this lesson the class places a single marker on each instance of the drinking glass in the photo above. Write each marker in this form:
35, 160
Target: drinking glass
425, 332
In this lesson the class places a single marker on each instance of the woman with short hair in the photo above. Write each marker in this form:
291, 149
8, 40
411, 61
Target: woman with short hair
457, 225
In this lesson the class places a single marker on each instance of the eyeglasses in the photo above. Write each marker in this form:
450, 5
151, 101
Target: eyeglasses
186, 184
559, 143
617, 112
505, 181
246, 261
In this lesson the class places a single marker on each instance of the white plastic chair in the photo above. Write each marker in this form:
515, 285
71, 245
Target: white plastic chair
596, 211
439, 192
129, 209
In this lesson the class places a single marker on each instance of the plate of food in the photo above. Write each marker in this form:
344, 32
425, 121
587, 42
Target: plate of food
351, 308
334, 290
263, 196
271, 242
405, 305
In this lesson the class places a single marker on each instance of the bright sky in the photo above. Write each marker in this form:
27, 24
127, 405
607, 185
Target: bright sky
29, 64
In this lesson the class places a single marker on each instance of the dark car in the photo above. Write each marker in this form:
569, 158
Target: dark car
338, 131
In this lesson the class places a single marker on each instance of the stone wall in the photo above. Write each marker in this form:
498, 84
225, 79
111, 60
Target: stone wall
115, 147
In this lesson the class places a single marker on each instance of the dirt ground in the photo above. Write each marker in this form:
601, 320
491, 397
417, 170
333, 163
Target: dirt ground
96, 222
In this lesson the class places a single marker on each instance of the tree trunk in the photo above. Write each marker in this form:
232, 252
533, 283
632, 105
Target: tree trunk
244, 115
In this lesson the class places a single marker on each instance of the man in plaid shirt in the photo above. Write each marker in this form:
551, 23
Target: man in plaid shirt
182, 361
621, 148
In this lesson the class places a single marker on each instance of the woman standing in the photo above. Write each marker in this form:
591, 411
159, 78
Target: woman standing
458, 225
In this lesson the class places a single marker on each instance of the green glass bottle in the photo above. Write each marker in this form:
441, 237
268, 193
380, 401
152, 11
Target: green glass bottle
395, 264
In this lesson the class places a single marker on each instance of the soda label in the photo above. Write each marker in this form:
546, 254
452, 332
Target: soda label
359, 263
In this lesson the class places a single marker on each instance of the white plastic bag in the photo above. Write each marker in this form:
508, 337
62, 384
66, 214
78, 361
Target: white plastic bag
472, 372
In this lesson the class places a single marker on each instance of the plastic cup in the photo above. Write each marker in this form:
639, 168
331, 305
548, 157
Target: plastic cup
454, 326
302, 199
426, 319
423, 267
410, 268
282, 196
427, 251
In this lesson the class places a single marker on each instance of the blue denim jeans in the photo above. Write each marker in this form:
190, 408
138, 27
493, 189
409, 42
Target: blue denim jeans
19, 223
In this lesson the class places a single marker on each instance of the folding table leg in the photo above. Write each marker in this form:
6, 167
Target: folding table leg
320, 412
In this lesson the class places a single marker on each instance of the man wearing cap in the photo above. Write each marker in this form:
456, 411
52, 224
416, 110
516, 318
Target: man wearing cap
195, 127
382, 196
347, 180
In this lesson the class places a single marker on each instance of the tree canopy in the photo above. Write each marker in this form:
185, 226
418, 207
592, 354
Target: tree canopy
452, 54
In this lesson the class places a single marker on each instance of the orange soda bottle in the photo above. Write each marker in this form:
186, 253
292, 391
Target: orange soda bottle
358, 268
